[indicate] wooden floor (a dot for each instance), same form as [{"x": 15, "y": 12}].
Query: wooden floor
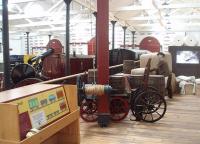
[{"x": 181, "y": 125}]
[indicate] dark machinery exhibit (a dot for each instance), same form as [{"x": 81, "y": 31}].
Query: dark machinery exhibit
[
  {"x": 117, "y": 56},
  {"x": 48, "y": 65}
]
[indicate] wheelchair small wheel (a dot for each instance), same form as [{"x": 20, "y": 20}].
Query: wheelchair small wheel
[
  {"x": 119, "y": 108},
  {"x": 88, "y": 110},
  {"x": 150, "y": 106}
]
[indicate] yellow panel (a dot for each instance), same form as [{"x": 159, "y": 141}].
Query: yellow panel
[
  {"x": 27, "y": 57},
  {"x": 45, "y": 107}
]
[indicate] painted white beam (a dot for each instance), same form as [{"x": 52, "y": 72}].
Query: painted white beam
[
  {"x": 133, "y": 8},
  {"x": 21, "y": 1},
  {"x": 42, "y": 15},
  {"x": 170, "y": 6},
  {"x": 159, "y": 11},
  {"x": 54, "y": 6},
  {"x": 92, "y": 7},
  {"x": 46, "y": 23},
  {"x": 173, "y": 17},
  {"x": 180, "y": 6}
]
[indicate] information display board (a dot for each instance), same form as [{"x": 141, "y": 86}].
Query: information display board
[{"x": 41, "y": 109}]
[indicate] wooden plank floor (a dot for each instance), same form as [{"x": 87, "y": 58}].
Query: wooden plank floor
[{"x": 181, "y": 125}]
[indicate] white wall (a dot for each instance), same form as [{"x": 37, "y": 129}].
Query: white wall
[
  {"x": 165, "y": 38},
  {"x": 18, "y": 42}
]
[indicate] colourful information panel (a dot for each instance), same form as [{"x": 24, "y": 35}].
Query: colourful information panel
[{"x": 42, "y": 108}]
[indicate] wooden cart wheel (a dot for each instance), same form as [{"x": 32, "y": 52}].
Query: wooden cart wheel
[
  {"x": 88, "y": 110},
  {"x": 119, "y": 108}
]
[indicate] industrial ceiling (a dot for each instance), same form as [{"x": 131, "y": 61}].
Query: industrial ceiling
[{"x": 46, "y": 16}]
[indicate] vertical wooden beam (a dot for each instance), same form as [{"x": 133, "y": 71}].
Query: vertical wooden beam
[{"x": 103, "y": 59}]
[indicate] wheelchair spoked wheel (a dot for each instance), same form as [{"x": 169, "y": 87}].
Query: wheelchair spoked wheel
[
  {"x": 150, "y": 106},
  {"x": 88, "y": 110},
  {"x": 135, "y": 94},
  {"x": 119, "y": 108}
]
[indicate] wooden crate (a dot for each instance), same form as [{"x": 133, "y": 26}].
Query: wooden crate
[
  {"x": 128, "y": 66},
  {"x": 117, "y": 82},
  {"x": 91, "y": 74},
  {"x": 157, "y": 81},
  {"x": 197, "y": 89},
  {"x": 189, "y": 89},
  {"x": 1, "y": 81}
]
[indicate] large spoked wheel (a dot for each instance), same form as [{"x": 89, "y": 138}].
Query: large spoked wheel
[
  {"x": 150, "y": 106},
  {"x": 21, "y": 72},
  {"x": 119, "y": 108},
  {"x": 135, "y": 94},
  {"x": 88, "y": 110}
]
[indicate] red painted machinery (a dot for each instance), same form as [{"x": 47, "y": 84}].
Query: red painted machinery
[
  {"x": 150, "y": 43},
  {"x": 92, "y": 46},
  {"x": 53, "y": 65}
]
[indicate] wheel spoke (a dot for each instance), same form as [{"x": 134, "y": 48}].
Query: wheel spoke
[
  {"x": 151, "y": 116},
  {"x": 145, "y": 116},
  {"x": 158, "y": 113}
]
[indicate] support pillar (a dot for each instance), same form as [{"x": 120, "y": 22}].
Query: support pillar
[
  {"x": 49, "y": 37},
  {"x": 67, "y": 51},
  {"x": 113, "y": 34},
  {"x": 133, "y": 39},
  {"x": 6, "y": 55},
  {"x": 95, "y": 14},
  {"x": 124, "y": 28},
  {"x": 27, "y": 42},
  {"x": 103, "y": 59},
  {"x": 1, "y": 48},
  {"x": 49, "y": 40}
]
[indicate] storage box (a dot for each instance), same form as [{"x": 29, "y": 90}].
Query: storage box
[
  {"x": 128, "y": 66},
  {"x": 118, "y": 83},
  {"x": 189, "y": 89},
  {"x": 1, "y": 81},
  {"x": 91, "y": 74},
  {"x": 157, "y": 81},
  {"x": 197, "y": 89}
]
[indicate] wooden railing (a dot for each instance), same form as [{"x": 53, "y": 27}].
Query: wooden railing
[{"x": 75, "y": 75}]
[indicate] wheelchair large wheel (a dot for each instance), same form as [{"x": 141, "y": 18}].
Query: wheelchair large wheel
[
  {"x": 150, "y": 106},
  {"x": 135, "y": 94},
  {"x": 88, "y": 110},
  {"x": 119, "y": 108}
]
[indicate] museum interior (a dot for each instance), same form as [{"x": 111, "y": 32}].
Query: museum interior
[{"x": 100, "y": 71}]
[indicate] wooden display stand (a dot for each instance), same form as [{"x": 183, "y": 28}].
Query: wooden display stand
[{"x": 63, "y": 130}]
